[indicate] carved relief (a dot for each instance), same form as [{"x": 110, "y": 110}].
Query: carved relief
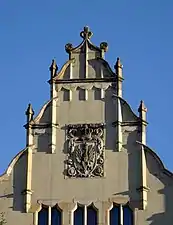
[{"x": 86, "y": 155}]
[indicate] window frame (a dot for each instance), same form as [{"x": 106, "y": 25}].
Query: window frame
[
  {"x": 85, "y": 206},
  {"x": 36, "y": 214},
  {"x": 121, "y": 211}
]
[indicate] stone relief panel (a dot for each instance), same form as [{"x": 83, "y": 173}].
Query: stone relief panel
[{"x": 85, "y": 150}]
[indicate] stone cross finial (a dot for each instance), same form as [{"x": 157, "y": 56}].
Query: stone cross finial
[{"x": 86, "y": 33}]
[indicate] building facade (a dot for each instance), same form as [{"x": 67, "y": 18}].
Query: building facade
[{"x": 86, "y": 160}]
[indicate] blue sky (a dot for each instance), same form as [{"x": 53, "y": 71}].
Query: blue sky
[{"x": 34, "y": 32}]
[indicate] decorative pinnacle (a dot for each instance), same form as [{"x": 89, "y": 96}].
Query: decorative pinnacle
[
  {"x": 104, "y": 46},
  {"x": 68, "y": 47},
  {"x": 142, "y": 107},
  {"x": 29, "y": 112},
  {"x": 118, "y": 64},
  {"x": 86, "y": 33},
  {"x": 53, "y": 68},
  {"x": 119, "y": 69}
]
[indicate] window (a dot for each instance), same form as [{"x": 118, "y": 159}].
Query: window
[
  {"x": 85, "y": 215},
  {"x": 43, "y": 216},
  {"x": 52, "y": 214},
  {"x": 120, "y": 215},
  {"x": 66, "y": 94},
  {"x": 91, "y": 215},
  {"x": 127, "y": 215},
  {"x": 114, "y": 215},
  {"x": 55, "y": 216},
  {"x": 79, "y": 215},
  {"x": 82, "y": 94},
  {"x": 97, "y": 93}
]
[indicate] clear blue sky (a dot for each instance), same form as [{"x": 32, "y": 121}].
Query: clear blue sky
[{"x": 33, "y": 32}]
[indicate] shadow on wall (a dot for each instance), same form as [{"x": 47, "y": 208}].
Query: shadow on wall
[
  {"x": 65, "y": 149},
  {"x": 43, "y": 141},
  {"x": 133, "y": 168},
  {"x": 19, "y": 182},
  {"x": 133, "y": 150},
  {"x": 42, "y": 136},
  {"x": 156, "y": 170},
  {"x": 81, "y": 65},
  {"x": 96, "y": 67},
  {"x": 110, "y": 117}
]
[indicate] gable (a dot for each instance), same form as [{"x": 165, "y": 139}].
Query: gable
[{"x": 86, "y": 150}]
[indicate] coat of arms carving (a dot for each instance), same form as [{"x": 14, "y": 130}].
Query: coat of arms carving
[{"x": 86, "y": 150}]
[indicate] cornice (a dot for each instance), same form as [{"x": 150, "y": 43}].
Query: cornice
[{"x": 86, "y": 80}]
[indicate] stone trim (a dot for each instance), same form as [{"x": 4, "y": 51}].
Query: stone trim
[{"x": 86, "y": 80}]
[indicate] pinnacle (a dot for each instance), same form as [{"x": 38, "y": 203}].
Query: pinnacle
[
  {"x": 142, "y": 107},
  {"x": 29, "y": 110}
]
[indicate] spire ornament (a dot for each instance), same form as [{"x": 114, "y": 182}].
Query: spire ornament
[
  {"x": 104, "y": 46},
  {"x": 29, "y": 113},
  {"x": 53, "y": 68},
  {"x": 68, "y": 47},
  {"x": 119, "y": 73},
  {"x": 118, "y": 66},
  {"x": 143, "y": 189},
  {"x": 142, "y": 107},
  {"x": 86, "y": 34}
]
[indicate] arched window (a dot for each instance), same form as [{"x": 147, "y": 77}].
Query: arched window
[
  {"x": 91, "y": 215},
  {"x": 43, "y": 216},
  {"x": 85, "y": 215},
  {"x": 127, "y": 215},
  {"x": 79, "y": 215},
  {"x": 120, "y": 214},
  {"x": 56, "y": 216},
  {"x": 47, "y": 213},
  {"x": 115, "y": 215}
]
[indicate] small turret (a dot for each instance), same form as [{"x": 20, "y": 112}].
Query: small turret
[
  {"x": 118, "y": 68},
  {"x": 143, "y": 189},
  {"x": 29, "y": 113},
  {"x": 119, "y": 73},
  {"x": 142, "y": 110},
  {"x": 142, "y": 115},
  {"x": 53, "y": 71}
]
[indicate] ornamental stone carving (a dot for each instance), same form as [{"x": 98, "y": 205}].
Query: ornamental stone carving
[{"x": 86, "y": 150}]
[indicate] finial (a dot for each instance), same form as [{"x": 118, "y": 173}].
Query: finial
[
  {"x": 104, "y": 46},
  {"x": 119, "y": 69},
  {"x": 142, "y": 107},
  {"x": 86, "y": 33},
  {"x": 68, "y": 47},
  {"x": 53, "y": 68},
  {"x": 29, "y": 113},
  {"x": 118, "y": 64}
]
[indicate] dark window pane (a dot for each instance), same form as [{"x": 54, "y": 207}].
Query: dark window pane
[
  {"x": 97, "y": 94},
  {"x": 43, "y": 216},
  {"x": 127, "y": 215},
  {"x": 91, "y": 215},
  {"x": 55, "y": 216},
  {"x": 115, "y": 215},
  {"x": 82, "y": 94},
  {"x": 79, "y": 216},
  {"x": 66, "y": 96}
]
